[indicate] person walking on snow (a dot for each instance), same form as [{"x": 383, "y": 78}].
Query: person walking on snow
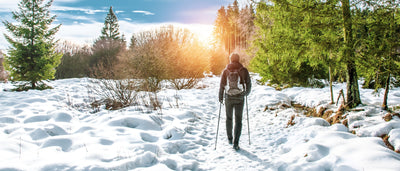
[{"x": 234, "y": 86}]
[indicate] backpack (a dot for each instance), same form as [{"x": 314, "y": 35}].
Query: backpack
[{"x": 233, "y": 80}]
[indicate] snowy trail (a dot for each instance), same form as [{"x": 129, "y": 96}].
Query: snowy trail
[
  {"x": 267, "y": 134},
  {"x": 265, "y": 141}
]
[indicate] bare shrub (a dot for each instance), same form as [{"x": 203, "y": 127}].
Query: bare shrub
[
  {"x": 115, "y": 94},
  {"x": 151, "y": 101},
  {"x": 184, "y": 83},
  {"x": 291, "y": 121},
  {"x": 218, "y": 60},
  {"x": 168, "y": 53},
  {"x": 115, "y": 90},
  {"x": 190, "y": 60}
]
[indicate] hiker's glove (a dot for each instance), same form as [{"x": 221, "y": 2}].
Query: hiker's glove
[{"x": 221, "y": 99}]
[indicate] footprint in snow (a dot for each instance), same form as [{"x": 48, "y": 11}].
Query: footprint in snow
[{"x": 148, "y": 138}]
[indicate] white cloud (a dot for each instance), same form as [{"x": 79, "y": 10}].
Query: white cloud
[
  {"x": 12, "y": 5},
  {"x": 80, "y": 33},
  {"x": 143, "y": 12},
  {"x": 74, "y": 17},
  {"x": 8, "y": 6},
  {"x": 87, "y": 11}
]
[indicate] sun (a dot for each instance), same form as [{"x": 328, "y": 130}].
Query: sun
[{"x": 203, "y": 32}]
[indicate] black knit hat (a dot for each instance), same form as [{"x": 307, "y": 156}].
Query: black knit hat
[{"x": 234, "y": 57}]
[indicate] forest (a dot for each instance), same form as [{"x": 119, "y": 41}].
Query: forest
[
  {"x": 310, "y": 43},
  {"x": 300, "y": 43}
]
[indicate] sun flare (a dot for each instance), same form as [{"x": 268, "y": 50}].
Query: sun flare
[{"x": 204, "y": 33}]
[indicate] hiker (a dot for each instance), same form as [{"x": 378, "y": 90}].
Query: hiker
[{"x": 235, "y": 85}]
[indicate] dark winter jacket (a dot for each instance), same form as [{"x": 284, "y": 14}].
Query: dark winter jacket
[{"x": 244, "y": 78}]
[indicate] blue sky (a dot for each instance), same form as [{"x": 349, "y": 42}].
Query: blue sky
[
  {"x": 143, "y": 11},
  {"x": 82, "y": 20}
]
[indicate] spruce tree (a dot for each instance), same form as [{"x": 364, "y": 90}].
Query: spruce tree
[
  {"x": 285, "y": 43},
  {"x": 348, "y": 54},
  {"x": 299, "y": 39},
  {"x": 379, "y": 39},
  {"x": 107, "y": 48},
  {"x": 233, "y": 26},
  {"x": 31, "y": 56},
  {"x": 221, "y": 28},
  {"x": 111, "y": 27}
]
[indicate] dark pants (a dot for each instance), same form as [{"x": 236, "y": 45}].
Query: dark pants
[{"x": 234, "y": 104}]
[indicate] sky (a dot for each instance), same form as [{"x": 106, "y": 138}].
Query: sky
[{"x": 82, "y": 20}]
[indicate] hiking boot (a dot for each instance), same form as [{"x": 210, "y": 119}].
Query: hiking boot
[
  {"x": 230, "y": 141},
  {"x": 236, "y": 147}
]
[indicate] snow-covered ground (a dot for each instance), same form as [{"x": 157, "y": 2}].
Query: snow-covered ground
[{"x": 53, "y": 130}]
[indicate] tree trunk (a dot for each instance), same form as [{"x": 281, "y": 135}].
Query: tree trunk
[
  {"x": 385, "y": 96},
  {"x": 330, "y": 84},
  {"x": 33, "y": 84},
  {"x": 353, "y": 94}
]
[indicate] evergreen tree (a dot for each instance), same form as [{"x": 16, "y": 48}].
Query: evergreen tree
[
  {"x": 284, "y": 44},
  {"x": 221, "y": 28},
  {"x": 107, "y": 48},
  {"x": 233, "y": 26},
  {"x": 31, "y": 56},
  {"x": 379, "y": 36},
  {"x": 219, "y": 59},
  {"x": 323, "y": 36},
  {"x": 295, "y": 35},
  {"x": 246, "y": 25},
  {"x": 348, "y": 55},
  {"x": 111, "y": 27}
]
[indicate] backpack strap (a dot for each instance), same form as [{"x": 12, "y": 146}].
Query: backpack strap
[{"x": 242, "y": 80}]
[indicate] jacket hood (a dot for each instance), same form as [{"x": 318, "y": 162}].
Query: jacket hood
[{"x": 234, "y": 66}]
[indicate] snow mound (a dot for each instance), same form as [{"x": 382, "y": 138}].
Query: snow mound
[{"x": 135, "y": 122}]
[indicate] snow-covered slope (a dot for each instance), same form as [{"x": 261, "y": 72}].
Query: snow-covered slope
[{"x": 55, "y": 130}]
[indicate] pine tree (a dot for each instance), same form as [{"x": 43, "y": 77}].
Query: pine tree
[
  {"x": 379, "y": 36},
  {"x": 221, "y": 28},
  {"x": 348, "y": 54},
  {"x": 107, "y": 48},
  {"x": 111, "y": 27},
  {"x": 285, "y": 43},
  {"x": 31, "y": 56},
  {"x": 299, "y": 39},
  {"x": 233, "y": 26},
  {"x": 246, "y": 25},
  {"x": 219, "y": 58}
]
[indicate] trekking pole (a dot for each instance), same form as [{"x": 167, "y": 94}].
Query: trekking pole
[
  {"x": 248, "y": 125},
  {"x": 219, "y": 116}
]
